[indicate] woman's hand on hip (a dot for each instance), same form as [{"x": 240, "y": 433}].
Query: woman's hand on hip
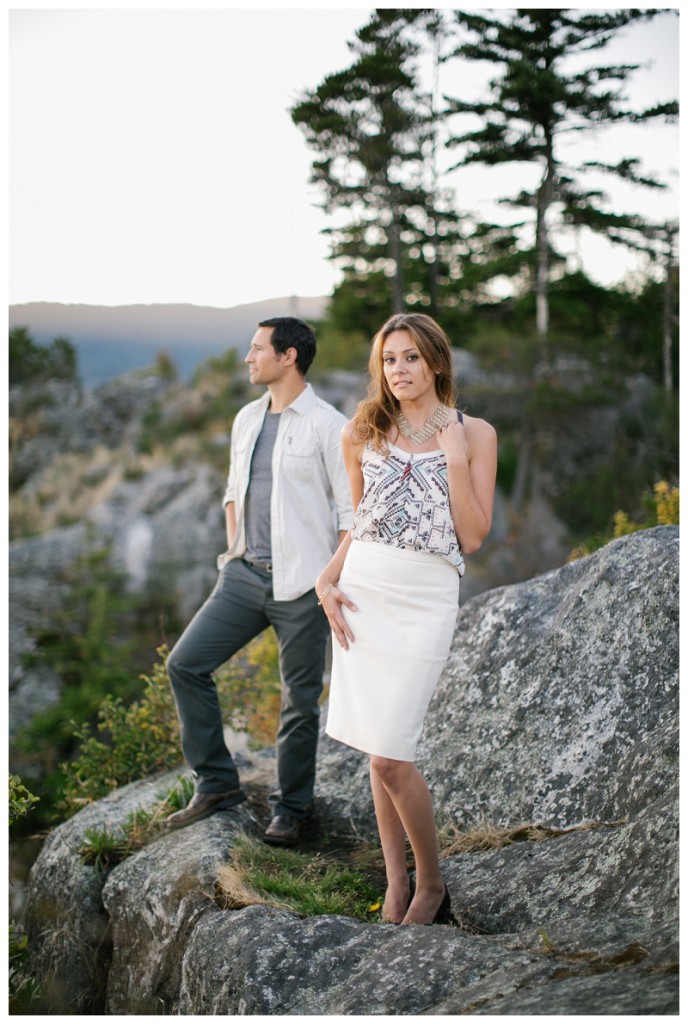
[{"x": 332, "y": 601}]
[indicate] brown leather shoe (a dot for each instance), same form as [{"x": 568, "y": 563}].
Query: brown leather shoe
[
  {"x": 202, "y": 805},
  {"x": 283, "y": 830}
]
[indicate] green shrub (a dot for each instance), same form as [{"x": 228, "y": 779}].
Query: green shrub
[
  {"x": 20, "y": 800},
  {"x": 141, "y": 739},
  {"x": 83, "y": 644},
  {"x": 23, "y": 987},
  {"x": 95, "y": 642},
  {"x": 30, "y": 363},
  {"x": 507, "y": 463}
]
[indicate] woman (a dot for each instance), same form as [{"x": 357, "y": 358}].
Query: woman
[{"x": 422, "y": 479}]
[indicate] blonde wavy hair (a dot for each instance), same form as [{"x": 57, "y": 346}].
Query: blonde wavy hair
[{"x": 376, "y": 414}]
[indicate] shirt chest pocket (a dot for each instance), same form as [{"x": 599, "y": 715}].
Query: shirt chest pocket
[
  {"x": 240, "y": 460},
  {"x": 299, "y": 455}
]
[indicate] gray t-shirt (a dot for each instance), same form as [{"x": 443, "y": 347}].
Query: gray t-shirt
[{"x": 258, "y": 536}]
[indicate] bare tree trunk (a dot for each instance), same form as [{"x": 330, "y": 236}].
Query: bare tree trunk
[
  {"x": 544, "y": 199},
  {"x": 667, "y": 317},
  {"x": 542, "y": 279},
  {"x": 523, "y": 479},
  {"x": 395, "y": 253},
  {"x": 431, "y": 228}
]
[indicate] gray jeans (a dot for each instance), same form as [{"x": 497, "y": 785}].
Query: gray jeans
[{"x": 240, "y": 607}]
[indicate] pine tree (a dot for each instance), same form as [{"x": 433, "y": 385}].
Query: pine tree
[
  {"x": 369, "y": 134},
  {"x": 377, "y": 129},
  {"x": 534, "y": 101}
]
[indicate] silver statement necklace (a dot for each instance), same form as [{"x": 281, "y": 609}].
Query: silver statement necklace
[{"x": 419, "y": 435}]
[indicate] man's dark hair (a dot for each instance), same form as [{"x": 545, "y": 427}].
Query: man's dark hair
[{"x": 290, "y": 332}]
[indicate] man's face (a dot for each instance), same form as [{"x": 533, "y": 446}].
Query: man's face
[{"x": 265, "y": 365}]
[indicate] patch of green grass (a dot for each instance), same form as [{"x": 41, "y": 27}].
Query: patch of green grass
[
  {"x": 103, "y": 848},
  {"x": 308, "y": 884}
]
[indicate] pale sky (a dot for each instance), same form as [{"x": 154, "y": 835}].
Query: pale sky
[{"x": 153, "y": 158}]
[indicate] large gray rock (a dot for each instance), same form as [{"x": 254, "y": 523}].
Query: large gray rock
[
  {"x": 69, "y": 928},
  {"x": 155, "y": 900},
  {"x": 334, "y": 965},
  {"x": 92, "y": 929},
  {"x": 558, "y": 708}
]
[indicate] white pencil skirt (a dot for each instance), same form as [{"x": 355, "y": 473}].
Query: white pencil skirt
[{"x": 381, "y": 686}]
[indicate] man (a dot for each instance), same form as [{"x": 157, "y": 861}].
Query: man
[{"x": 287, "y": 505}]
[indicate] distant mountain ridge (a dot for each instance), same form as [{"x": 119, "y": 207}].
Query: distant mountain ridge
[{"x": 112, "y": 340}]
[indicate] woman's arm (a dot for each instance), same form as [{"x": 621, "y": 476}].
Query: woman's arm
[{"x": 471, "y": 452}]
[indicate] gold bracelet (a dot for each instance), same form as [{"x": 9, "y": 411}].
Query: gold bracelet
[{"x": 324, "y": 594}]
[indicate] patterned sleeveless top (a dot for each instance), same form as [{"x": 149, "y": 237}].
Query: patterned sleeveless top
[{"x": 405, "y": 503}]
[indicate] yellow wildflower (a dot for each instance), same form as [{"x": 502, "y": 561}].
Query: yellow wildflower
[
  {"x": 623, "y": 525},
  {"x": 667, "y": 503}
]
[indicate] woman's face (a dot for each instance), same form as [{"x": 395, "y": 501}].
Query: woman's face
[{"x": 408, "y": 375}]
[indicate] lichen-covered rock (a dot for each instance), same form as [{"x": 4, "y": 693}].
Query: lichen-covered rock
[
  {"x": 334, "y": 965},
  {"x": 155, "y": 899},
  {"x": 559, "y": 700},
  {"x": 65, "y": 918},
  {"x": 588, "y": 893},
  {"x": 596, "y": 909}
]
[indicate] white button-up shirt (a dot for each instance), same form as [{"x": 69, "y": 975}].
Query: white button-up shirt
[{"x": 311, "y": 500}]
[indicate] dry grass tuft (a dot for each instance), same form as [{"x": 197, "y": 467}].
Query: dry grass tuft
[
  {"x": 235, "y": 890},
  {"x": 487, "y": 836}
]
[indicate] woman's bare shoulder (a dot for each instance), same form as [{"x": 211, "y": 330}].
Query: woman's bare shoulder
[
  {"x": 347, "y": 430},
  {"x": 351, "y": 441},
  {"x": 350, "y": 435},
  {"x": 479, "y": 430}
]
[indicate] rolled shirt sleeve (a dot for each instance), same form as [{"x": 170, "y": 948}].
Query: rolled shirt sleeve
[{"x": 333, "y": 457}]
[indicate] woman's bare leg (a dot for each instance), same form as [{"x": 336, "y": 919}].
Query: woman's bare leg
[
  {"x": 409, "y": 794},
  {"x": 393, "y": 841}
]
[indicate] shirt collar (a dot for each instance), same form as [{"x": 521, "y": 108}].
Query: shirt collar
[
  {"x": 300, "y": 405},
  {"x": 304, "y": 401}
]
